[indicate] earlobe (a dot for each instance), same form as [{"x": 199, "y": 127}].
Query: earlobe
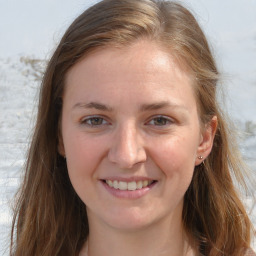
[{"x": 207, "y": 139}]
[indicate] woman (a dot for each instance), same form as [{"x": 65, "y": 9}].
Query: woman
[{"x": 131, "y": 153}]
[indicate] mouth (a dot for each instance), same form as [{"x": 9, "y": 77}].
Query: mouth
[{"x": 129, "y": 186}]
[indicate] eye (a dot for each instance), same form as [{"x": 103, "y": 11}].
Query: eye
[
  {"x": 160, "y": 121},
  {"x": 94, "y": 121}
]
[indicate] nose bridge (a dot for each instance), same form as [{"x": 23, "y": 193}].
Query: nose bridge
[{"x": 127, "y": 147}]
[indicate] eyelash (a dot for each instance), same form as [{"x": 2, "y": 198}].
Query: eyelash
[{"x": 89, "y": 121}]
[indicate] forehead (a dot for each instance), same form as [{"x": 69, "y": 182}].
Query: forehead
[
  {"x": 142, "y": 56},
  {"x": 143, "y": 67}
]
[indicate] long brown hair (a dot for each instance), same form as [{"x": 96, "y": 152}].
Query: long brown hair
[{"x": 50, "y": 219}]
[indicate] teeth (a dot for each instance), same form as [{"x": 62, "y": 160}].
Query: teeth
[
  {"x": 139, "y": 184},
  {"x": 145, "y": 183},
  {"x": 131, "y": 186},
  {"x": 110, "y": 183},
  {"x": 115, "y": 184},
  {"x": 122, "y": 185}
]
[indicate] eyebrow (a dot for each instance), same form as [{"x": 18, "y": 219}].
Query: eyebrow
[
  {"x": 160, "y": 105},
  {"x": 143, "y": 108},
  {"x": 95, "y": 105}
]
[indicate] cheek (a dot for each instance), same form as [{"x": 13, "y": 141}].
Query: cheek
[
  {"x": 83, "y": 155},
  {"x": 82, "y": 159},
  {"x": 175, "y": 156}
]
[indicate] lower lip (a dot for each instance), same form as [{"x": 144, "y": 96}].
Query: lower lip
[{"x": 129, "y": 194}]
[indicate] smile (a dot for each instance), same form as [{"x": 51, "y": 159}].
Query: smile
[{"x": 131, "y": 186}]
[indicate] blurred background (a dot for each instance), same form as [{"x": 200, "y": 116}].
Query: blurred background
[{"x": 29, "y": 32}]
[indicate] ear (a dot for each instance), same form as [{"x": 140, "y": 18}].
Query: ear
[{"x": 206, "y": 142}]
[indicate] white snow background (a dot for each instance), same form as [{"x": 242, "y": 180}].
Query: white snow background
[{"x": 32, "y": 29}]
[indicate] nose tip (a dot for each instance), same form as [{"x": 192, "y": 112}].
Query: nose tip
[
  {"x": 127, "y": 160},
  {"x": 126, "y": 150}
]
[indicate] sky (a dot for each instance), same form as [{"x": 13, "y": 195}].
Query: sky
[{"x": 33, "y": 28}]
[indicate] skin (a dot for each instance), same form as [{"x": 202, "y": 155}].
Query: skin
[{"x": 130, "y": 113}]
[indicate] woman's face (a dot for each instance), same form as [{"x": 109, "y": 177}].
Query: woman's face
[{"x": 131, "y": 135}]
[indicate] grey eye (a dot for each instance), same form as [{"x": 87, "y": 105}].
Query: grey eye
[
  {"x": 159, "y": 121},
  {"x": 95, "y": 121}
]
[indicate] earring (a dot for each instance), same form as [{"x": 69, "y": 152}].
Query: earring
[{"x": 200, "y": 157}]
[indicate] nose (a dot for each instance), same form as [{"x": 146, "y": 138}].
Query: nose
[{"x": 127, "y": 148}]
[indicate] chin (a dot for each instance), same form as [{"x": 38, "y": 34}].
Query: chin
[{"x": 130, "y": 220}]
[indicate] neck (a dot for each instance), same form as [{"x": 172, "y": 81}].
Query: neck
[{"x": 163, "y": 238}]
